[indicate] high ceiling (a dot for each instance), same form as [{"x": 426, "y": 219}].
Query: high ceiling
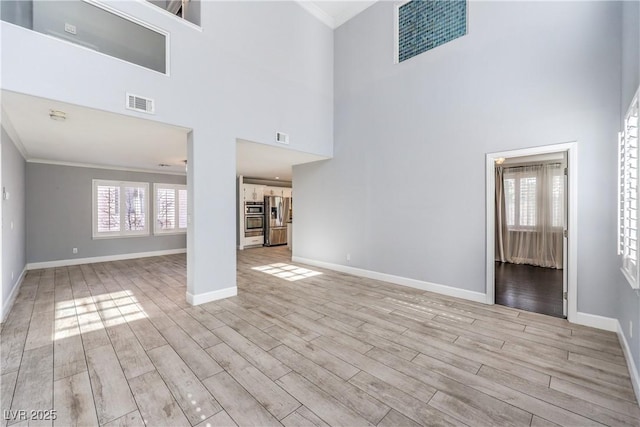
[
  {"x": 335, "y": 13},
  {"x": 98, "y": 138}
]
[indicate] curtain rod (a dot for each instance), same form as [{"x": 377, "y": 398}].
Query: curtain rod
[{"x": 524, "y": 165}]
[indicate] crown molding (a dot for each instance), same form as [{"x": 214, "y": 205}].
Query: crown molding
[
  {"x": 95, "y": 166},
  {"x": 349, "y": 14},
  {"x": 320, "y": 14},
  {"x": 334, "y": 22}
]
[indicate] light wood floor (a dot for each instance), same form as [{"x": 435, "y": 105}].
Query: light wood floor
[{"x": 115, "y": 344}]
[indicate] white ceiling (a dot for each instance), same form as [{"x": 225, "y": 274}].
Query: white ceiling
[
  {"x": 92, "y": 137},
  {"x": 256, "y": 160},
  {"x": 97, "y": 138},
  {"x": 335, "y": 13}
]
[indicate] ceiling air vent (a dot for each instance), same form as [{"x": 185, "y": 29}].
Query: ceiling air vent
[
  {"x": 282, "y": 138},
  {"x": 138, "y": 103}
]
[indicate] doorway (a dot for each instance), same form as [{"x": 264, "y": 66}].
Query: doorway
[{"x": 530, "y": 209}]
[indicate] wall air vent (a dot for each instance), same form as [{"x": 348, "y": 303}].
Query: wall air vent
[
  {"x": 282, "y": 138},
  {"x": 139, "y": 103}
]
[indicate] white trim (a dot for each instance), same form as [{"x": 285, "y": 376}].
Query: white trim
[
  {"x": 572, "y": 226},
  {"x": 172, "y": 233},
  {"x": 6, "y": 306},
  {"x": 123, "y": 185},
  {"x": 398, "y": 280},
  {"x": 350, "y": 14},
  {"x": 74, "y": 43},
  {"x": 396, "y": 30},
  {"x": 96, "y": 166},
  {"x": 167, "y": 35},
  {"x": 320, "y": 14},
  {"x": 106, "y": 258},
  {"x": 595, "y": 321},
  {"x": 630, "y": 269},
  {"x": 331, "y": 21},
  {"x": 240, "y": 230},
  {"x": 167, "y": 13},
  {"x": 198, "y": 299},
  {"x": 628, "y": 355},
  {"x": 157, "y": 231}
]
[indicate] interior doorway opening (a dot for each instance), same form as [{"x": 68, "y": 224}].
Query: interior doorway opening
[{"x": 530, "y": 211}]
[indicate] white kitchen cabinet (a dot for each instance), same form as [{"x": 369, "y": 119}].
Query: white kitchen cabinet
[
  {"x": 253, "y": 192},
  {"x": 272, "y": 191},
  {"x": 253, "y": 241},
  {"x": 277, "y": 191}
]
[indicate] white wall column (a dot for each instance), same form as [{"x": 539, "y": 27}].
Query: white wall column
[{"x": 211, "y": 234}]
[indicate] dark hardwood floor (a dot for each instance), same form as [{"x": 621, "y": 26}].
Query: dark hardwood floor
[{"x": 529, "y": 288}]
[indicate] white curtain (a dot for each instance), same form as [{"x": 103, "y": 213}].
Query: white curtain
[{"x": 530, "y": 216}]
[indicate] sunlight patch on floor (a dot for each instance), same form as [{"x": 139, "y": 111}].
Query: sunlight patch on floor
[
  {"x": 287, "y": 271},
  {"x": 92, "y": 313}
]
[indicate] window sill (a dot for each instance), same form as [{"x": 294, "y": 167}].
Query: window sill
[
  {"x": 120, "y": 236},
  {"x": 633, "y": 283},
  {"x": 168, "y": 233},
  {"x": 533, "y": 230}
]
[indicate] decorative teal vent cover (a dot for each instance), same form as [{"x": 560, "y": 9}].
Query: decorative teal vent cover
[{"x": 425, "y": 24}]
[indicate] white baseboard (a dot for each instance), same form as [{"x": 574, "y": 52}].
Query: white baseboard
[
  {"x": 198, "y": 299},
  {"x": 6, "y": 306},
  {"x": 633, "y": 369},
  {"x": 107, "y": 258},
  {"x": 595, "y": 321},
  {"x": 398, "y": 280}
]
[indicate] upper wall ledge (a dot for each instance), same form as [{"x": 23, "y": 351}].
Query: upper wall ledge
[{"x": 145, "y": 3}]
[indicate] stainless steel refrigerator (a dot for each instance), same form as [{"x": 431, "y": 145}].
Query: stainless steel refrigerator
[{"x": 277, "y": 215}]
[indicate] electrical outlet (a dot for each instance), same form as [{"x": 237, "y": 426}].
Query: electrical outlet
[
  {"x": 69, "y": 28},
  {"x": 348, "y": 257},
  {"x": 75, "y": 250}
]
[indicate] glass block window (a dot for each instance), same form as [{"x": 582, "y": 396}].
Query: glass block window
[{"x": 425, "y": 24}]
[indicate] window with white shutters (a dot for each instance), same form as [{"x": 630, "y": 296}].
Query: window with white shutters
[
  {"x": 520, "y": 198},
  {"x": 120, "y": 208},
  {"x": 530, "y": 193},
  {"x": 170, "y": 209},
  {"x": 628, "y": 195}
]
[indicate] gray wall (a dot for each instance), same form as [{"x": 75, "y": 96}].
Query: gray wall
[
  {"x": 193, "y": 12},
  {"x": 628, "y": 302},
  {"x": 19, "y": 12},
  {"x": 59, "y": 214},
  {"x": 405, "y": 191},
  {"x": 254, "y": 69},
  {"x": 630, "y": 51},
  {"x": 102, "y": 31},
  {"x": 13, "y": 211}
]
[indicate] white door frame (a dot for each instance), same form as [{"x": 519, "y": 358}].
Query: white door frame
[{"x": 571, "y": 148}]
